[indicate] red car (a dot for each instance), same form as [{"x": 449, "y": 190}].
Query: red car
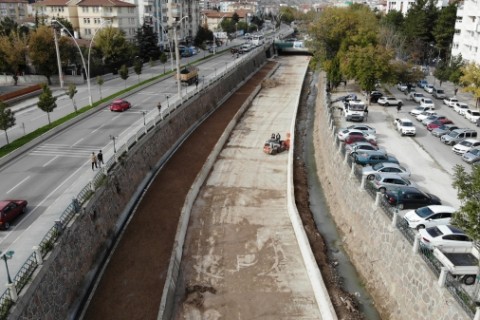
[
  {"x": 9, "y": 210},
  {"x": 120, "y": 105},
  {"x": 434, "y": 124},
  {"x": 352, "y": 139}
]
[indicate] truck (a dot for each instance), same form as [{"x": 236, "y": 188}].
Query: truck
[
  {"x": 189, "y": 75},
  {"x": 460, "y": 262},
  {"x": 405, "y": 127},
  {"x": 354, "y": 110}
]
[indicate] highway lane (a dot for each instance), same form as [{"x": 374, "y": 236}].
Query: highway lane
[{"x": 52, "y": 173}]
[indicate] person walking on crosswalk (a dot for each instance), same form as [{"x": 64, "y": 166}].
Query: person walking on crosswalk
[{"x": 93, "y": 158}]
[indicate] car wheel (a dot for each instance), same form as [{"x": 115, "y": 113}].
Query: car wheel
[
  {"x": 401, "y": 206},
  {"x": 469, "y": 279},
  {"x": 382, "y": 190},
  {"x": 420, "y": 226},
  {"x": 370, "y": 177},
  {"x": 6, "y": 226}
]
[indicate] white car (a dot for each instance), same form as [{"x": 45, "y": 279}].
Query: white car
[
  {"x": 363, "y": 127},
  {"x": 416, "y": 96},
  {"x": 461, "y": 108},
  {"x": 389, "y": 101},
  {"x": 472, "y": 115},
  {"x": 415, "y": 112},
  {"x": 427, "y": 102},
  {"x": 370, "y": 171},
  {"x": 345, "y": 133},
  {"x": 444, "y": 236},
  {"x": 465, "y": 146},
  {"x": 428, "y": 88},
  {"x": 422, "y": 116},
  {"x": 429, "y": 216},
  {"x": 451, "y": 101}
]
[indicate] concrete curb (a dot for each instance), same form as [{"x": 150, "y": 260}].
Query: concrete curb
[{"x": 318, "y": 285}]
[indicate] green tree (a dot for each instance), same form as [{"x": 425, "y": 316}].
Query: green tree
[
  {"x": 163, "y": 60},
  {"x": 46, "y": 101},
  {"x": 113, "y": 47},
  {"x": 442, "y": 72},
  {"x": 7, "y": 118},
  {"x": 203, "y": 35},
  {"x": 13, "y": 50},
  {"x": 471, "y": 80},
  {"x": 41, "y": 48},
  {"x": 456, "y": 73},
  {"x": 123, "y": 71},
  {"x": 7, "y": 26},
  {"x": 137, "y": 67},
  {"x": 147, "y": 41},
  {"x": 393, "y": 19},
  {"x": 468, "y": 191},
  {"x": 100, "y": 83},
  {"x": 444, "y": 29},
  {"x": 71, "y": 91}
]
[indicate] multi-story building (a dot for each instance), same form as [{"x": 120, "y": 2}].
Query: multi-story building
[
  {"x": 13, "y": 9},
  {"x": 88, "y": 16},
  {"x": 466, "y": 40},
  {"x": 404, "y": 5}
]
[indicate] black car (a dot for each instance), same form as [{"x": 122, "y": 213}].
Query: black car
[
  {"x": 411, "y": 198},
  {"x": 374, "y": 95}
]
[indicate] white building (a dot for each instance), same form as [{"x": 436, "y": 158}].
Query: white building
[
  {"x": 404, "y": 5},
  {"x": 466, "y": 40}
]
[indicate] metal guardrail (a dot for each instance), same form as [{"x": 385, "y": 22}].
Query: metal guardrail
[
  {"x": 5, "y": 304},
  {"x": 460, "y": 295},
  {"x": 404, "y": 228},
  {"x": 24, "y": 275}
]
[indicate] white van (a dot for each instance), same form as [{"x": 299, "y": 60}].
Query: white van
[
  {"x": 258, "y": 40},
  {"x": 354, "y": 110}
]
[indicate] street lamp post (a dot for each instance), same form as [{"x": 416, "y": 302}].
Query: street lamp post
[
  {"x": 114, "y": 147},
  {"x": 81, "y": 56},
  {"x": 59, "y": 62},
  {"x": 177, "y": 57},
  {"x": 165, "y": 32},
  {"x": 7, "y": 256}
]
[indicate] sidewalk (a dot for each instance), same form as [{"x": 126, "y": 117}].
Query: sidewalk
[{"x": 449, "y": 89}]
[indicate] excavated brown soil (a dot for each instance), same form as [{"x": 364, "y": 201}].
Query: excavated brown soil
[{"x": 131, "y": 287}]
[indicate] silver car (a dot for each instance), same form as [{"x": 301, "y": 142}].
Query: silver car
[
  {"x": 471, "y": 156},
  {"x": 391, "y": 181},
  {"x": 370, "y": 171}
]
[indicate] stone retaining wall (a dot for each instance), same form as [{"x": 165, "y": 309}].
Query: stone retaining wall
[
  {"x": 402, "y": 285},
  {"x": 62, "y": 282}
]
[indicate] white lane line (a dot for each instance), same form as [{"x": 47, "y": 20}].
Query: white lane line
[
  {"x": 18, "y": 184},
  {"x": 40, "y": 204},
  {"x": 50, "y": 161},
  {"x": 78, "y": 141}
]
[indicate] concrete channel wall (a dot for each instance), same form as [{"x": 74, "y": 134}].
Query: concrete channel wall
[
  {"x": 59, "y": 285},
  {"x": 402, "y": 284}
]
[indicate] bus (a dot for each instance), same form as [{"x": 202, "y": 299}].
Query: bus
[{"x": 258, "y": 40}]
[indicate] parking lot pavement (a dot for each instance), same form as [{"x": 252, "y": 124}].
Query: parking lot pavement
[{"x": 426, "y": 158}]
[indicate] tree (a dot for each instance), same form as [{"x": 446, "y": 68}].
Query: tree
[
  {"x": 41, "y": 49},
  {"x": 137, "y": 67},
  {"x": 468, "y": 191},
  {"x": 471, "y": 80},
  {"x": 147, "y": 41},
  {"x": 442, "y": 71},
  {"x": 123, "y": 71},
  {"x": 46, "y": 101},
  {"x": 7, "y": 118},
  {"x": 13, "y": 48},
  {"x": 7, "y": 26},
  {"x": 100, "y": 83},
  {"x": 444, "y": 29},
  {"x": 163, "y": 60},
  {"x": 113, "y": 48},
  {"x": 456, "y": 73},
  {"x": 71, "y": 91}
]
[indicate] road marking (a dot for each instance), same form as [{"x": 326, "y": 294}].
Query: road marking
[
  {"x": 149, "y": 93},
  {"x": 18, "y": 184},
  {"x": 48, "y": 162},
  {"x": 78, "y": 141}
]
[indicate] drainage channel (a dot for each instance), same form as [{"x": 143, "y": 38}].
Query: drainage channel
[{"x": 323, "y": 220}]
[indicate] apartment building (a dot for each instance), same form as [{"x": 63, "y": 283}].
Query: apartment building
[
  {"x": 466, "y": 40},
  {"x": 404, "y": 5},
  {"x": 14, "y": 9}
]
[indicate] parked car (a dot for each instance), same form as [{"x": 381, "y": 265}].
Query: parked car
[
  {"x": 389, "y": 101},
  {"x": 405, "y": 127},
  {"x": 390, "y": 181},
  {"x": 440, "y": 118},
  {"x": 402, "y": 86},
  {"x": 434, "y": 124},
  {"x": 373, "y": 157},
  {"x": 425, "y": 115},
  {"x": 429, "y": 216},
  {"x": 345, "y": 133},
  {"x": 360, "y": 146},
  {"x": 444, "y": 129},
  {"x": 416, "y": 111},
  {"x": 411, "y": 198},
  {"x": 120, "y": 105},
  {"x": 465, "y": 145},
  {"x": 444, "y": 236},
  {"x": 438, "y": 93},
  {"x": 363, "y": 127},
  {"x": 428, "y": 88},
  {"x": 450, "y": 101},
  {"x": 472, "y": 115},
  {"x": 353, "y": 139},
  {"x": 422, "y": 83},
  {"x": 390, "y": 167},
  {"x": 471, "y": 156},
  {"x": 375, "y": 95},
  {"x": 461, "y": 108},
  {"x": 416, "y": 96},
  {"x": 9, "y": 210},
  {"x": 427, "y": 102},
  {"x": 457, "y": 135}
]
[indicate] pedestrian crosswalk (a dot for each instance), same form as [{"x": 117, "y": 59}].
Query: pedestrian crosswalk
[{"x": 63, "y": 150}]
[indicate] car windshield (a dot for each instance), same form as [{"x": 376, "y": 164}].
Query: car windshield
[
  {"x": 378, "y": 166},
  {"x": 440, "y": 91},
  {"x": 423, "y": 212},
  {"x": 434, "y": 232},
  {"x": 427, "y": 101},
  {"x": 357, "y": 107},
  {"x": 475, "y": 113},
  {"x": 466, "y": 143},
  {"x": 407, "y": 124},
  {"x": 453, "y": 134}
]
